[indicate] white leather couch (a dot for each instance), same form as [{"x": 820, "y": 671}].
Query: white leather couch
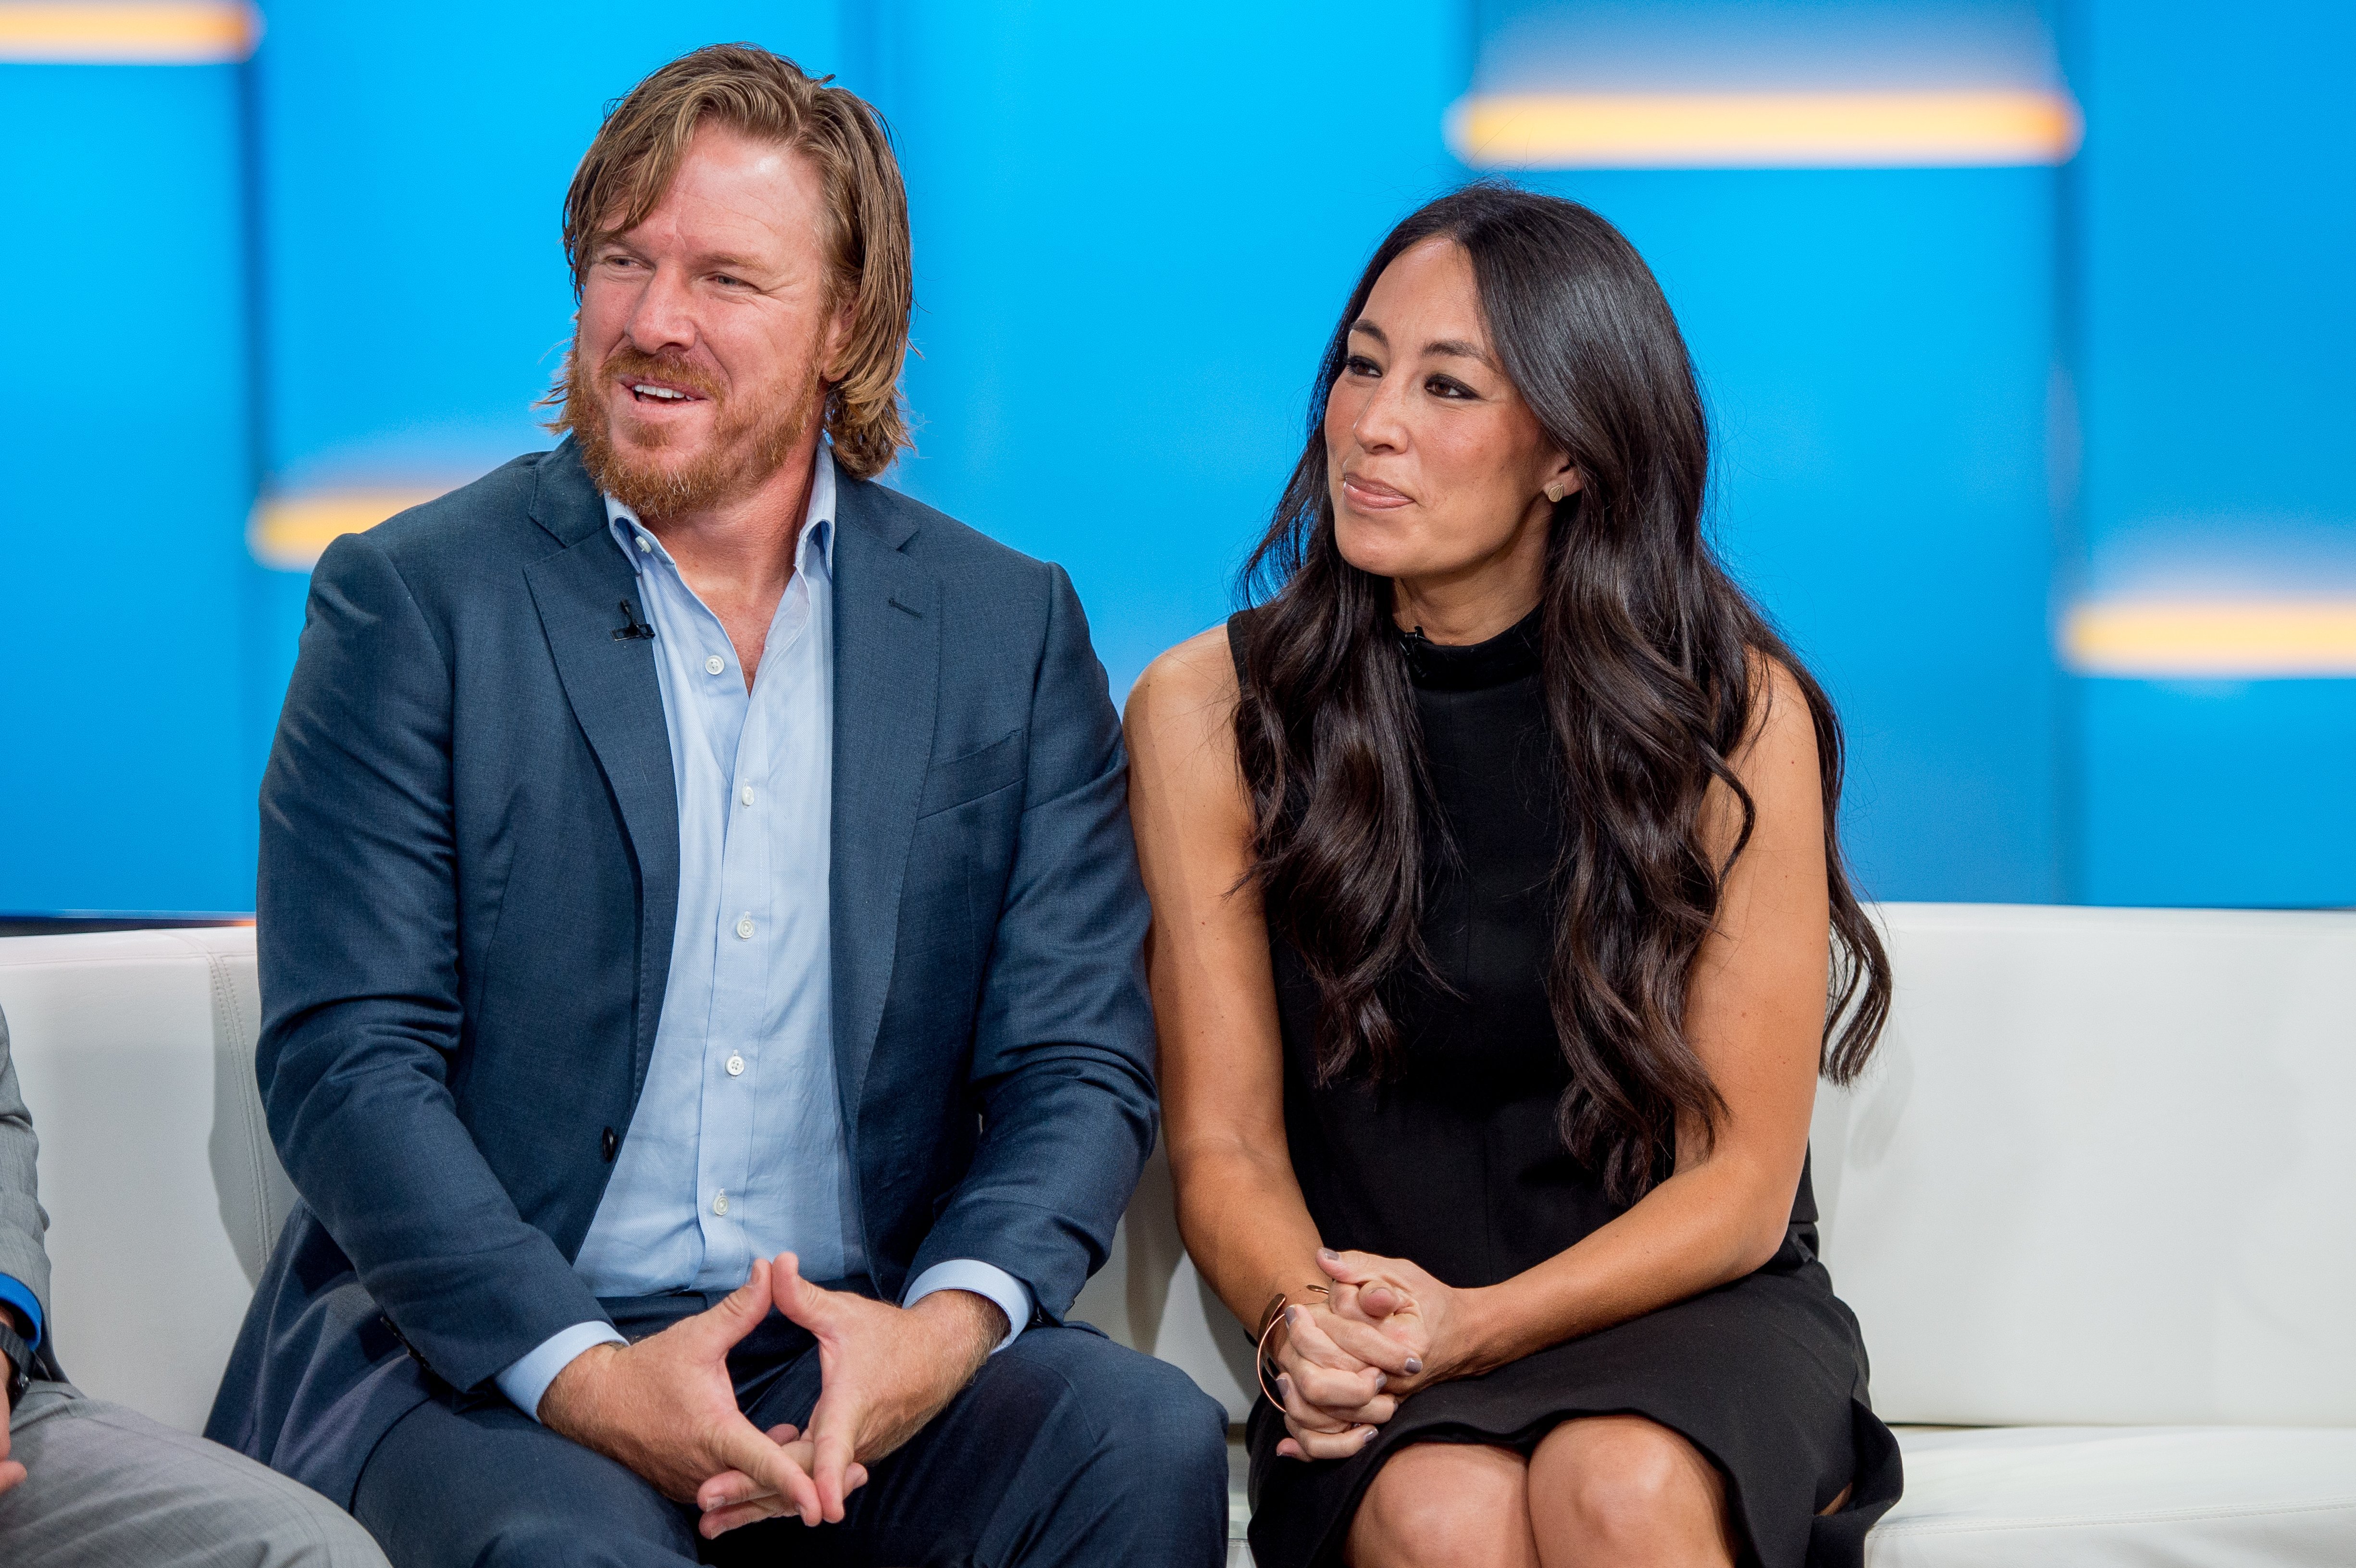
[{"x": 2095, "y": 1205}]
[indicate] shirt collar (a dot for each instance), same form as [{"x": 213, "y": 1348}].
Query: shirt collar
[{"x": 817, "y": 532}]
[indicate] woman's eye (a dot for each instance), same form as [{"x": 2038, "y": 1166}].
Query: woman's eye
[
  {"x": 1359, "y": 365},
  {"x": 1443, "y": 386}
]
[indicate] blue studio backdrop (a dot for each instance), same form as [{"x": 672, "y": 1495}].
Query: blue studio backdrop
[{"x": 2019, "y": 430}]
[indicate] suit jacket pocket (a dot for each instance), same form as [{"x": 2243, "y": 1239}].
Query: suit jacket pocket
[{"x": 975, "y": 774}]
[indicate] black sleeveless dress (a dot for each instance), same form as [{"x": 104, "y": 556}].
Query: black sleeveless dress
[{"x": 1456, "y": 1163}]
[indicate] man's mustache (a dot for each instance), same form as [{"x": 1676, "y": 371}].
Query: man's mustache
[{"x": 625, "y": 363}]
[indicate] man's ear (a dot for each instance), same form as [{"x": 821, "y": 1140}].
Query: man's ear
[{"x": 838, "y": 343}]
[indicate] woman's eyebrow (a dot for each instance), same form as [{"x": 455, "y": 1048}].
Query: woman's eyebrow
[
  {"x": 1457, "y": 349},
  {"x": 1449, "y": 347}
]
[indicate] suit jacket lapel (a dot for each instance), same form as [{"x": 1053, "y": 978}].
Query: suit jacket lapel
[
  {"x": 886, "y": 685},
  {"x": 617, "y": 698}
]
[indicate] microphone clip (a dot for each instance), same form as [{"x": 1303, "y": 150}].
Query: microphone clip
[{"x": 632, "y": 629}]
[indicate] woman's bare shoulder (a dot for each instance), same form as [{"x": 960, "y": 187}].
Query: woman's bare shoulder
[
  {"x": 1181, "y": 735},
  {"x": 1189, "y": 689},
  {"x": 1783, "y": 726}
]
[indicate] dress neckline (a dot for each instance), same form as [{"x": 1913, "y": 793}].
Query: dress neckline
[{"x": 1473, "y": 666}]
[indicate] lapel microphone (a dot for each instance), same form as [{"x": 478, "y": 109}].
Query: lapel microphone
[
  {"x": 1412, "y": 643},
  {"x": 632, "y": 629}
]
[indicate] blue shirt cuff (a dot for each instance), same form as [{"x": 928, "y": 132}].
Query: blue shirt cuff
[
  {"x": 986, "y": 1280},
  {"x": 528, "y": 1377},
  {"x": 19, "y": 1294}
]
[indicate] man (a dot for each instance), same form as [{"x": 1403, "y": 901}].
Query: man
[
  {"x": 700, "y": 943},
  {"x": 88, "y": 1484}
]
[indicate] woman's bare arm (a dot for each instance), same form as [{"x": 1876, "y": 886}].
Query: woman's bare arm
[{"x": 1222, "y": 1064}]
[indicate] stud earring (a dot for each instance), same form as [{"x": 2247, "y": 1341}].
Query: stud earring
[{"x": 1554, "y": 492}]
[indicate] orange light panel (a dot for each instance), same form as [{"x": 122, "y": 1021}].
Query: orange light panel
[
  {"x": 1764, "y": 130},
  {"x": 191, "y": 32}
]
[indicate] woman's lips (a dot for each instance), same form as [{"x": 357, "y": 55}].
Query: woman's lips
[{"x": 1372, "y": 495}]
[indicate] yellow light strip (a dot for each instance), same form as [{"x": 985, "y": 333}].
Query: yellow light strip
[
  {"x": 2213, "y": 640},
  {"x": 190, "y": 32},
  {"x": 1763, "y": 129},
  {"x": 289, "y": 533}
]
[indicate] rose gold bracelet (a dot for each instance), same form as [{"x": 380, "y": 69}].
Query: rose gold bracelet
[{"x": 1272, "y": 1315}]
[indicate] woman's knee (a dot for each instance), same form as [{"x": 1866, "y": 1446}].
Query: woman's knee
[
  {"x": 1443, "y": 1503},
  {"x": 1624, "y": 1482}
]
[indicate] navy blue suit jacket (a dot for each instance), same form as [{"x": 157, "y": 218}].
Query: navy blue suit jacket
[{"x": 468, "y": 880}]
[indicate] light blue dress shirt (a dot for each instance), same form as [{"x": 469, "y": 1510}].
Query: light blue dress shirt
[{"x": 736, "y": 1150}]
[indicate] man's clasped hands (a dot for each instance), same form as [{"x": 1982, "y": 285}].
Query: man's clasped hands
[
  {"x": 666, "y": 1406},
  {"x": 1383, "y": 1329}
]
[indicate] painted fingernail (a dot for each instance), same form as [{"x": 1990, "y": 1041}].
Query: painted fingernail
[
  {"x": 1293, "y": 1317},
  {"x": 1414, "y": 1365}
]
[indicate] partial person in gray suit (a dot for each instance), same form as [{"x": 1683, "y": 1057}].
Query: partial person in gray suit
[{"x": 84, "y": 1482}]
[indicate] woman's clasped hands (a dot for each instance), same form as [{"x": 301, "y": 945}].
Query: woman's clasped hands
[{"x": 1385, "y": 1329}]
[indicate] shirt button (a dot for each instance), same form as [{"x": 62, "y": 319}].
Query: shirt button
[
  {"x": 735, "y": 1067},
  {"x": 644, "y": 547},
  {"x": 744, "y": 927},
  {"x": 715, "y": 663},
  {"x": 720, "y": 1201},
  {"x": 745, "y": 794}
]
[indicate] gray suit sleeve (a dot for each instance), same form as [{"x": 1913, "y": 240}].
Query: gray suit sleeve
[{"x": 22, "y": 1222}]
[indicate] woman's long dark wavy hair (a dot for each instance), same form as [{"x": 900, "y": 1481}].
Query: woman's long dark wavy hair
[{"x": 1652, "y": 663}]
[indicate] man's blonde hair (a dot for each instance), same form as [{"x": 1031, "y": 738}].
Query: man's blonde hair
[{"x": 760, "y": 94}]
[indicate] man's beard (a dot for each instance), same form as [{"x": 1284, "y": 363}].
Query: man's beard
[{"x": 749, "y": 442}]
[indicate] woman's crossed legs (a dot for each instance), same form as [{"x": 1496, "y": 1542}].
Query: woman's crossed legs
[{"x": 1605, "y": 1491}]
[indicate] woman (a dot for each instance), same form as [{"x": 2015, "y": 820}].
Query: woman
[{"x": 1500, "y": 937}]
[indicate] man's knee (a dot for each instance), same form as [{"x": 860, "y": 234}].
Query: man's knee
[
  {"x": 1147, "y": 1419},
  {"x": 1067, "y": 1450},
  {"x": 491, "y": 1488},
  {"x": 534, "y": 1533},
  {"x": 545, "y": 1540},
  {"x": 124, "y": 1487},
  {"x": 1165, "y": 1419},
  {"x": 330, "y": 1538}
]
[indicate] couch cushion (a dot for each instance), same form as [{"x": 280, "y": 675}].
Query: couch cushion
[
  {"x": 2122, "y": 1498},
  {"x": 136, "y": 1054},
  {"x": 2101, "y": 1168},
  {"x": 2098, "y": 1173}
]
